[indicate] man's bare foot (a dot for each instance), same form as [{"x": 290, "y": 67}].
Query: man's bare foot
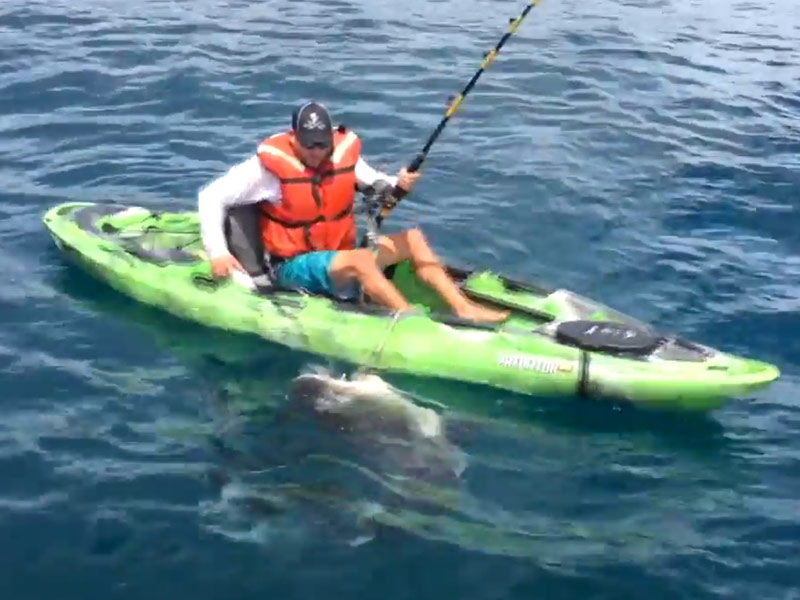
[{"x": 476, "y": 312}]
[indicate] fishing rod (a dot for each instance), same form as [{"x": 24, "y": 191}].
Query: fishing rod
[{"x": 488, "y": 58}]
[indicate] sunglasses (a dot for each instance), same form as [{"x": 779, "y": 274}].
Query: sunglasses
[{"x": 317, "y": 146}]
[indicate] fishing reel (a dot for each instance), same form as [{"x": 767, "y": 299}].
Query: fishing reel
[{"x": 379, "y": 195}]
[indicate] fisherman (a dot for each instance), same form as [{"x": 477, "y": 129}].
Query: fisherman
[{"x": 303, "y": 182}]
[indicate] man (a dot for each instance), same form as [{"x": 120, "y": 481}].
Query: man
[{"x": 304, "y": 183}]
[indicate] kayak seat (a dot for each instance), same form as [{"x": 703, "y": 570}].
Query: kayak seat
[{"x": 243, "y": 234}]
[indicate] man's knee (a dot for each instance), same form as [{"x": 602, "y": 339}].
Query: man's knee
[
  {"x": 410, "y": 244},
  {"x": 362, "y": 261},
  {"x": 415, "y": 238},
  {"x": 419, "y": 251}
]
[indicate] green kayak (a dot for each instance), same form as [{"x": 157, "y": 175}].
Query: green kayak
[{"x": 555, "y": 343}]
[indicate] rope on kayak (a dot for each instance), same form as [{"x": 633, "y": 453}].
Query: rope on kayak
[
  {"x": 376, "y": 354},
  {"x": 452, "y": 108}
]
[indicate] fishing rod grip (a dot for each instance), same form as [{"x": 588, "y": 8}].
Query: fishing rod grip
[
  {"x": 416, "y": 163},
  {"x": 399, "y": 193}
]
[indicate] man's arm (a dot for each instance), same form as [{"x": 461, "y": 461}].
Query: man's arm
[
  {"x": 245, "y": 183},
  {"x": 367, "y": 176}
]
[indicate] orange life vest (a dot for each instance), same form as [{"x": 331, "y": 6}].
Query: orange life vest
[{"x": 316, "y": 208}]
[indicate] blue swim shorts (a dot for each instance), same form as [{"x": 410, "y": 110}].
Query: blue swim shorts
[{"x": 311, "y": 272}]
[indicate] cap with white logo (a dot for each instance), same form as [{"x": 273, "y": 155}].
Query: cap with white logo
[{"x": 312, "y": 125}]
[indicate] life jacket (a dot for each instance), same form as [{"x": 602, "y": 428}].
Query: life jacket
[{"x": 316, "y": 208}]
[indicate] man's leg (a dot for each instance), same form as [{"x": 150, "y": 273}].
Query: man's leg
[
  {"x": 411, "y": 245},
  {"x": 309, "y": 272},
  {"x": 349, "y": 265}
]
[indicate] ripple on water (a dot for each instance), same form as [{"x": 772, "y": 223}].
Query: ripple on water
[{"x": 643, "y": 153}]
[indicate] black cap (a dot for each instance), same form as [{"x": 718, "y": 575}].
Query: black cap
[{"x": 312, "y": 125}]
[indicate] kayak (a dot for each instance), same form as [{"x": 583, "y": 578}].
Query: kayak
[{"x": 555, "y": 343}]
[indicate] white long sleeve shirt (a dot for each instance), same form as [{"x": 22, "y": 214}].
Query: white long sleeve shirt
[{"x": 247, "y": 183}]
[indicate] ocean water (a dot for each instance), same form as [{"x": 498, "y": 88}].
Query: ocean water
[{"x": 642, "y": 152}]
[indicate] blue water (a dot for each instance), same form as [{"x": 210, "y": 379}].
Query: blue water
[{"x": 643, "y": 152}]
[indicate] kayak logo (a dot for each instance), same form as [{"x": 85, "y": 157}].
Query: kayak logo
[
  {"x": 533, "y": 363},
  {"x": 612, "y": 331},
  {"x": 313, "y": 122}
]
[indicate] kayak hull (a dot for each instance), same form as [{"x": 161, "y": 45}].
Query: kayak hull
[{"x": 157, "y": 259}]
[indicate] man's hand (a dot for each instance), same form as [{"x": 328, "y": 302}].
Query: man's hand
[
  {"x": 224, "y": 264},
  {"x": 406, "y": 179}
]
